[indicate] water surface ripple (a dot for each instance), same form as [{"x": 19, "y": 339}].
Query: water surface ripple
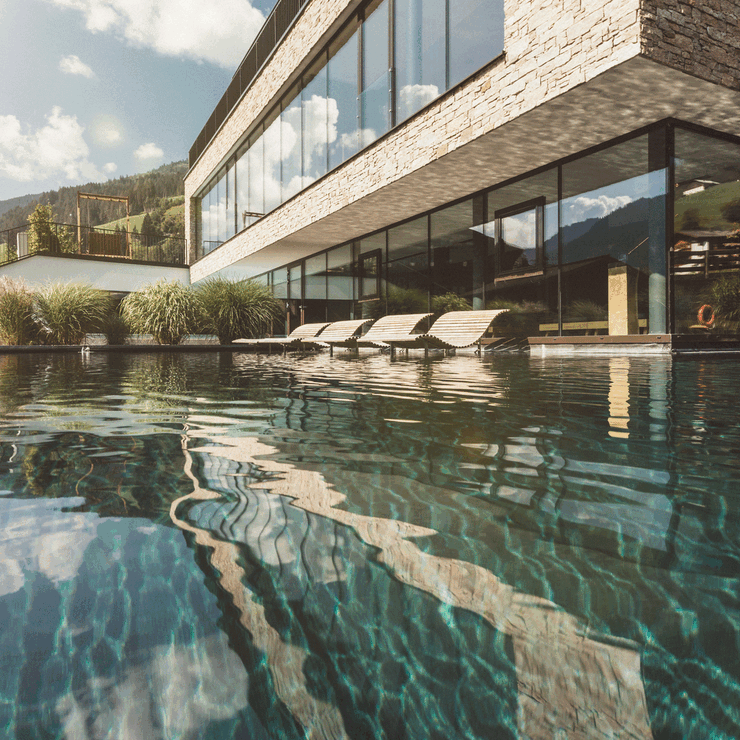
[{"x": 303, "y": 546}]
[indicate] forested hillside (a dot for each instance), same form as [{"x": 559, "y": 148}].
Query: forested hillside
[{"x": 146, "y": 191}]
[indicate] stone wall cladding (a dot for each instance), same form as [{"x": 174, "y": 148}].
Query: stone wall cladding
[
  {"x": 550, "y": 47},
  {"x": 700, "y": 37}
]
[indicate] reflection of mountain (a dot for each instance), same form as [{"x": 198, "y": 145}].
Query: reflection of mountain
[{"x": 615, "y": 234}]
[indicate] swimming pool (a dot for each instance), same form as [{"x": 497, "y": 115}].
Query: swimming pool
[{"x": 239, "y": 546}]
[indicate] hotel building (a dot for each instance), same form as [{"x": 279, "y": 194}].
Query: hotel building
[{"x": 577, "y": 162}]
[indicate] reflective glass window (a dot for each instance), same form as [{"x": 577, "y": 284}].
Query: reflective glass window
[
  {"x": 705, "y": 255},
  {"x": 420, "y": 53},
  {"x": 458, "y": 253},
  {"x": 315, "y": 125},
  {"x": 408, "y": 267},
  {"x": 339, "y": 273},
  {"x": 375, "y": 96},
  {"x": 343, "y": 134},
  {"x": 290, "y": 146},
  {"x": 256, "y": 185},
  {"x": 476, "y": 35},
  {"x": 272, "y": 171},
  {"x": 242, "y": 188},
  {"x": 613, "y": 236},
  {"x": 230, "y": 217},
  {"x": 280, "y": 283},
  {"x": 315, "y": 278}
]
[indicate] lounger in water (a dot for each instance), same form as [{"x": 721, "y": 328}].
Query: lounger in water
[
  {"x": 339, "y": 334},
  {"x": 453, "y": 330},
  {"x": 297, "y": 336},
  {"x": 395, "y": 325}
]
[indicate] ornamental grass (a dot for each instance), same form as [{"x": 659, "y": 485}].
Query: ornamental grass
[
  {"x": 241, "y": 309},
  {"x": 65, "y": 312},
  {"x": 16, "y": 312},
  {"x": 168, "y": 310}
]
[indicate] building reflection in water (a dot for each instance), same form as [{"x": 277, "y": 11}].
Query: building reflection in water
[{"x": 567, "y": 678}]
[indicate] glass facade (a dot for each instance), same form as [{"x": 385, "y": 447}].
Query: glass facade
[
  {"x": 705, "y": 254},
  {"x": 389, "y": 61},
  {"x": 584, "y": 247}
]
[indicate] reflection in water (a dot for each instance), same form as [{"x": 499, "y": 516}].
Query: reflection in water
[{"x": 302, "y": 546}]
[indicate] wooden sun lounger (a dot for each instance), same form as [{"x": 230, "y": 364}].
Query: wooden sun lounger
[
  {"x": 453, "y": 330},
  {"x": 394, "y": 325},
  {"x": 297, "y": 336},
  {"x": 339, "y": 334}
]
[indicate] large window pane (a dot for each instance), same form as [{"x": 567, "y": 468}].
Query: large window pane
[
  {"x": 315, "y": 125},
  {"x": 242, "y": 189},
  {"x": 522, "y": 255},
  {"x": 613, "y": 235},
  {"x": 272, "y": 176},
  {"x": 256, "y": 178},
  {"x": 408, "y": 267},
  {"x": 290, "y": 147},
  {"x": 375, "y": 97},
  {"x": 339, "y": 271},
  {"x": 315, "y": 278},
  {"x": 230, "y": 201},
  {"x": 476, "y": 35},
  {"x": 343, "y": 88},
  {"x": 420, "y": 54},
  {"x": 706, "y": 252},
  {"x": 458, "y": 253}
]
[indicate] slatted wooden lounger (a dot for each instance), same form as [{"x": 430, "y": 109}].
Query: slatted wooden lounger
[
  {"x": 453, "y": 330},
  {"x": 297, "y": 336},
  {"x": 339, "y": 334},
  {"x": 394, "y": 325}
]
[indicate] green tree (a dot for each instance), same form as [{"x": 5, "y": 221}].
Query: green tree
[
  {"x": 731, "y": 212},
  {"x": 41, "y": 236}
]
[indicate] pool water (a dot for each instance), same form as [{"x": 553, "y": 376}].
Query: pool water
[{"x": 238, "y": 546}]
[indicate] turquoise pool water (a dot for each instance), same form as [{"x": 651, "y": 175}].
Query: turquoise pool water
[{"x": 240, "y": 546}]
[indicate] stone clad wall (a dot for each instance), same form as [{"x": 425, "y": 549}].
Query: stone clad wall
[
  {"x": 700, "y": 37},
  {"x": 550, "y": 47}
]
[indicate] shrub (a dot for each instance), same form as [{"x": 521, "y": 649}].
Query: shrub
[
  {"x": 168, "y": 311},
  {"x": 398, "y": 301},
  {"x": 726, "y": 298},
  {"x": 587, "y": 310},
  {"x": 115, "y": 328},
  {"x": 65, "y": 312},
  {"x": 16, "y": 312},
  {"x": 237, "y": 309},
  {"x": 450, "y": 302}
]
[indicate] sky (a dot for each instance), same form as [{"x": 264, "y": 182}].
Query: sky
[{"x": 96, "y": 89}]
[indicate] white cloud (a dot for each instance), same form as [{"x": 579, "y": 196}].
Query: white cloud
[
  {"x": 584, "y": 207},
  {"x": 107, "y": 131},
  {"x": 73, "y": 65},
  {"x": 54, "y": 151},
  {"x": 219, "y": 31},
  {"x": 415, "y": 97},
  {"x": 109, "y": 168},
  {"x": 149, "y": 154}
]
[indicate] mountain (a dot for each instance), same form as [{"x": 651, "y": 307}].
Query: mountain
[
  {"x": 22, "y": 200},
  {"x": 145, "y": 192}
]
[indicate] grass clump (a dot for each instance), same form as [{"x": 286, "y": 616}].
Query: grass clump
[
  {"x": 726, "y": 299},
  {"x": 237, "y": 309},
  {"x": 16, "y": 312},
  {"x": 65, "y": 312},
  {"x": 168, "y": 310}
]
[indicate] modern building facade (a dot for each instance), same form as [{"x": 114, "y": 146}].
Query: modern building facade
[{"x": 576, "y": 162}]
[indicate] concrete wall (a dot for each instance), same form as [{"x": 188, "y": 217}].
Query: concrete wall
[
  {"x": 700, "y": 37},
  {"x": 550, "y": 47},
  {"x": 116, "y": 276}
]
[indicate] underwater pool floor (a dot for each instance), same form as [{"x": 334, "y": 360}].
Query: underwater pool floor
[{"x": 233, "y": 546}]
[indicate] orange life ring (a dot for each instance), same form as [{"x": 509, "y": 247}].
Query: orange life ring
[{"x": 701, "y": 317}]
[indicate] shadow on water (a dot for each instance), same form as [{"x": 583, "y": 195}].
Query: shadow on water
[{"x": 455, "y": 548}]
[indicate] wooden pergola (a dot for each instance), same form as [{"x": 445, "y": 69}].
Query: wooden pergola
[{"x": 109, "y": 198}]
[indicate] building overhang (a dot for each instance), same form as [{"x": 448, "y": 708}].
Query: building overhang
[{"x": 626, "y": 97}]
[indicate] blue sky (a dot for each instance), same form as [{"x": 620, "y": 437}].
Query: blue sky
[{"x": 96, "y": 89}]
